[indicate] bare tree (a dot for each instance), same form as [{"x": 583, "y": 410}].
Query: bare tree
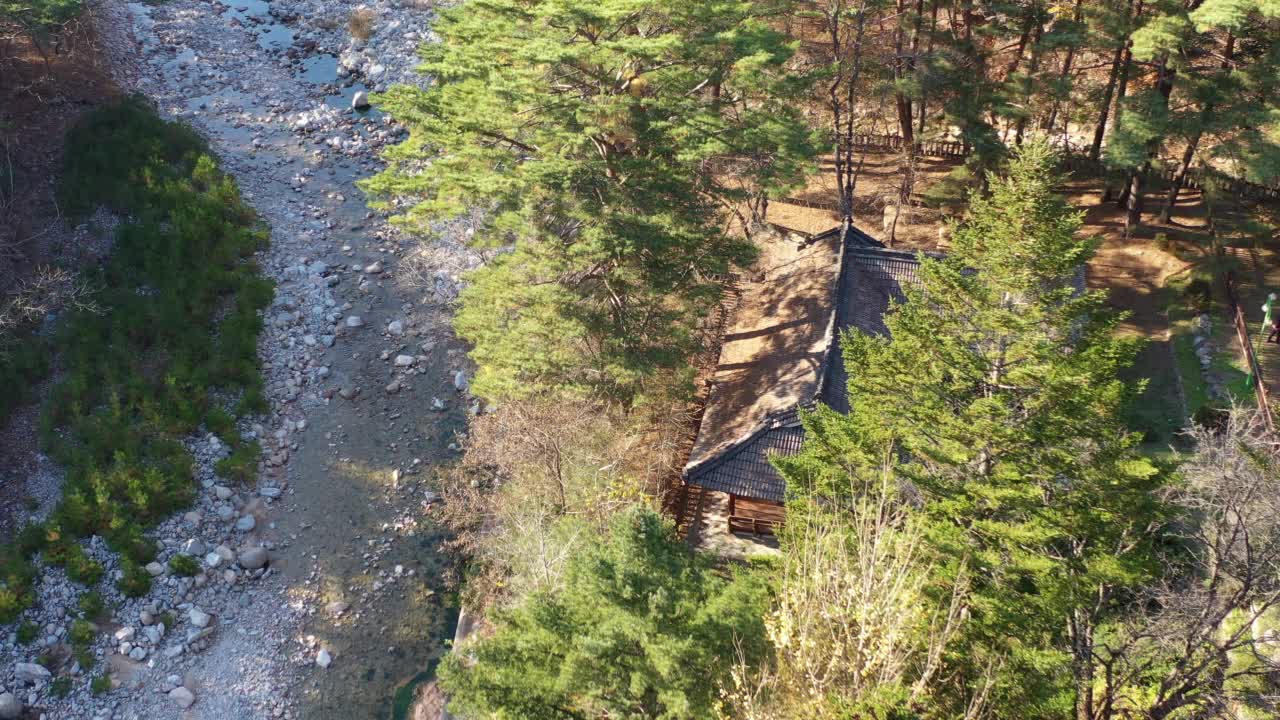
[
  {"x": 851, "y": 617},
  {"x": 1210, "y": 634}
]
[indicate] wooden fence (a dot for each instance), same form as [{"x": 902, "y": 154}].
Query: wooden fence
[
  {"x": 1197, "y": 179},
  {"x": 1246, "y": 347}
]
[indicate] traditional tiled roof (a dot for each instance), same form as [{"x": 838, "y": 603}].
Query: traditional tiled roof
[{"x": 747, "y": 420}]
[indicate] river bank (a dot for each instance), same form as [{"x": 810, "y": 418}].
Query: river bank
[{"x": 366, "y": 386}]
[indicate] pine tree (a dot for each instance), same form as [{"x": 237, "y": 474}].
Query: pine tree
[
  {"x": 641, "y": 629},
  {"x": 606, "y": 144},
  {"x": 998, "y": 394}
]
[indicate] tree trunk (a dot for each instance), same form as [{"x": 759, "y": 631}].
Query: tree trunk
[
  {"x": 1119, "y": 76},
  {"x": 1082, "y": 671},
  {"x": 1188, "y": 155},
  {"x": 901, "y": 102},
  {"x": 1180, "y": 177},
  {"x": 1063, "y": 75},
  {"x": 1028, "y": 86}
]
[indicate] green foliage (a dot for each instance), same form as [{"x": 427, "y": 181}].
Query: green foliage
[
  {"x": 28, "y": 632},
  {"x": 24, "y": 363},
  {"x": 82, "y": 633},
  {"x": 92, "y": 605},
  {"x": 85, "y": 657},
  {"x": 184, "y": 565},
  {"x": 181, "y": 301},
  {"x": 101, "y": 684},
  {"x": 42, "y": 21},
  {"x": 641, "y": 628},
  {"x": 135, "y": 581},
  {"x": 999, "y": 393},
  {"x": 60, "y": 687},
  {"x": 241, "y": 465},
  {"x": 72, "y": 557},
  {"x": 587, "y": 131}
]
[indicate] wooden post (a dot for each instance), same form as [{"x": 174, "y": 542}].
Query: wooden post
[{"x": 729, "y": 521}]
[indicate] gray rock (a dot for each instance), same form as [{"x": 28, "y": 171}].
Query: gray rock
[
  {"x": 404, "y": 360},
  {"x": 395, "y": 327},
  {"x": 360, "y": 101},
  {"x": 354, "y": 321},
  {"x": 155, "y": 569},
  {"x": 460, "y": 380},
  {"x": 10, "y": 706},
  {"x": 223, "y": 492},
  {"x": 337, "y": 607},
  {"x": 246, "y": 523},
  {"x": 374, "y": 268},
  {"x": 183, "y": 697},
  {"x": 254, "y": 558},
  {"x": 270, "y": 492},
  {"x": 198, "y": 617},
  {"x": 323, "y": 658},
  {"x": 31, "y": 673},
  {"x": 213, "y": 560},
  {"x": 193, "y": 547}
]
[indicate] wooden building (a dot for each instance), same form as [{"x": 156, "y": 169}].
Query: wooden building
[{"x": 781, "y": 353}]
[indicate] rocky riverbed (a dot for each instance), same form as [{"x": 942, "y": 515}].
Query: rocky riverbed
[{"x": 319, "y": 590}]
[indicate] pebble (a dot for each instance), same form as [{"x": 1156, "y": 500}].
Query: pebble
[
  {"x": 246, "y": 523},
  {"x": 323, "y": 658}
]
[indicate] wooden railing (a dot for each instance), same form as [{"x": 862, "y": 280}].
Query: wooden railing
[{"x": 1246, "y": 347}]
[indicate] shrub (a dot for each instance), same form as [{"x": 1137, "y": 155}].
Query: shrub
[
  {"x": 1198, "y": 295},
  {"x": 82, "y": 633},
  {"x": 79, "y": 566},
  {"x": 60, "y": 687},
  {"x": 184, "y": 565},
  {"x": 92, "y": 605},
  {"x": 135, "y": 581},
  {"x": 241, "y": 465},
  {"x": 360, "y": 23},
  {"x": 28, "y": 632},
  {"x": 100, "y": 684},
  {"x": 86, "y": 659},
  {"x": 141, "y": 374}
]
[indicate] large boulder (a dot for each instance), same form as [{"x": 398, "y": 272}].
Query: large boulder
[{"x": 31, "y": 673}]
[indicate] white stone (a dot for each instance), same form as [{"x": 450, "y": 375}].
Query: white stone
[
  {"x": 125, "y": 633},
  {"x": 246, "y": 523},
  {"x": 354, "y": 321},
  {"x": 395, "y": 327},
  {"x": 323, "y": 658},
  {"x": 361, "y": 100},
  {"x": 213, "y": 560},
  {"x": 404, "y": 360}
]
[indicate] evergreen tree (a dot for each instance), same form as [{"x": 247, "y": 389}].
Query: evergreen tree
[
  {"x": 998, "y": 399},
  {"x": 640, "y": 629},
  {"x": 607, "y": 143}
]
